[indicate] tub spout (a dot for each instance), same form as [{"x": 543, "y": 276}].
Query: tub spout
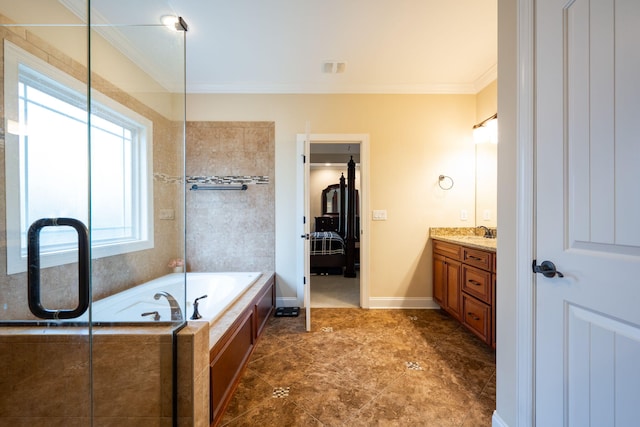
[{"x": 176, "y": 312}]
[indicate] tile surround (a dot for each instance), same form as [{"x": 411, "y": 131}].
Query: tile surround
[{"x": 231, "y": 230}]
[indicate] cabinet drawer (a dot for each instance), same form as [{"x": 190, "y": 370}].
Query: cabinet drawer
[
  {"x": 449, "y": 250},
  {"x": 477, "y": 283},
  {"x": 480, "y": 259},
  {"x": 476, "y": 317}
]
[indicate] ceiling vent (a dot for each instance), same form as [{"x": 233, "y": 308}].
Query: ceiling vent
[{"x": 334, "y": 67}]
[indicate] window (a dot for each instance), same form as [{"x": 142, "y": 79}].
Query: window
[{"x": 50, "y": 165}]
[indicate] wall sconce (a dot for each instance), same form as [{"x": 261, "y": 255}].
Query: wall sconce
[{"x": 486, "y": 130}]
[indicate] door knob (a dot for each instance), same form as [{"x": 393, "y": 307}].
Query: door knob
[{"x": 547, "y": 268}]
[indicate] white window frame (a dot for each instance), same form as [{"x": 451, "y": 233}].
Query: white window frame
[{"x": 143, "y": 168}]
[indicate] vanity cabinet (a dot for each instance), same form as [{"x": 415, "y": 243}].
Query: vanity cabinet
[
  {"x": 446, "y": 284},
  {"x": 464, "y": 286}
]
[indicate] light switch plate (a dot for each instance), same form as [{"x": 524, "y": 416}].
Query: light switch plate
[
  {"x": 463, "y": 215},
  {"x": 380, "y": 215},
  {"x": 167, "y": 214}
]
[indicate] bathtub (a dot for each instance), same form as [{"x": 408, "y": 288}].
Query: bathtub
[{"x": 222, "y": 290}]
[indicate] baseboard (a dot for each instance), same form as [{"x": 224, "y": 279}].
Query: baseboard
[
  {"x": 376, "y": 303},
  {"x": 496, "y": 421},
  {"x": 287, "y": 302},
  {"x": 402, "y": 302}
]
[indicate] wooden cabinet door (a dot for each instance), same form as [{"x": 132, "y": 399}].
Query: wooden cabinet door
[
  {"x": 439, "y": 279},
  {"x": 453, "y": 300},
  {"x": 447, "y": 283}
]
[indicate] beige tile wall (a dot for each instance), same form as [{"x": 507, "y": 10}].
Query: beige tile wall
[
  {"x": 193, "y": 375},
  {"x": 231, "y": 230},
  {"x": 132, "y": 377}
]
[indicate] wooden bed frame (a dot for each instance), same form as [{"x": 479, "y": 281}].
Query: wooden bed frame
[{"x": 345, "y": 226}]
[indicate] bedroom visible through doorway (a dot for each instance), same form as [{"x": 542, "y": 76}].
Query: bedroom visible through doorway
[{"x": 334, "y": 283}]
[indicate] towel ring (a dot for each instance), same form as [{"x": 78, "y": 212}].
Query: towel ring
[{"x": 448, "y": 185}]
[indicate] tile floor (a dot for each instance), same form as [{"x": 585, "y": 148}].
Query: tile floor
[
  {"x": 335, "y": 291},
  {"x": 366, "y": 368}
]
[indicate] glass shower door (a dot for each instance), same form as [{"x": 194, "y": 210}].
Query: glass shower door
[
  {"x": 45, "y": 333},
  {"x": 93, "y": 205},
  {"x": 137, "y": 200}
]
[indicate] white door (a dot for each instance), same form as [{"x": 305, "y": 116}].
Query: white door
[
  {"x": 304, "y": 267},
  {"x": 587, "y": 359}
]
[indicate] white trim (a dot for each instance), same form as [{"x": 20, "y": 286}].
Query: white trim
[
  {"x": 496, "y": 421},
  {"x": 403, "y": 302},
  {"x": 142, "y": 157},
  {"x": 470, "y": 88},
  {"x": 486, "y": 78},
  {"x": 440, "y": 89},
  {"x": 525, "y": 210},
  {"x": 363, "y": 140}
]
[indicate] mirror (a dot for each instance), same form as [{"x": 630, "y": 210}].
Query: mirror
[
  {"x": 331, "y": 200},
  {"x": 486, "y": 184}
]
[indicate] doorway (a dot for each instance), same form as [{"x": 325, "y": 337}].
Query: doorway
[
  {"x": 305, "y": 141},
  {"x": 331, "y": 285}
]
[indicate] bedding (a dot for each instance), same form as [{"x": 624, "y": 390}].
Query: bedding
[{"x": 327, "y": 243}]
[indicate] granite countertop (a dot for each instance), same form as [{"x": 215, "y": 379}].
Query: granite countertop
[{"x": 468, "y": 236}]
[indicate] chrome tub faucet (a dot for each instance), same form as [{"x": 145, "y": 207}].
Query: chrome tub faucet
[{"x": 176, "y": 312}]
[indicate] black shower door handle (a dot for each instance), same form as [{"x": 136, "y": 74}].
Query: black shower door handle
[{"x": 33, "y": 270}]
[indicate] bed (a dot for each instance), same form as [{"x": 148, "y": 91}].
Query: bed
[
  {"x": 327, "y": 252},
  {"x": 333, "y": 241}
]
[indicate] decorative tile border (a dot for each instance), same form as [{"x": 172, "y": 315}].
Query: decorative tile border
[
  {"x": 414, "y": 366},
  {"x": 229, "y": 179},
  {"x": 167, "y": 179},
  {"x": 280, "y": 392}
]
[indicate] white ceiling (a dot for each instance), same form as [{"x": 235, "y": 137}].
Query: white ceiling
[
  {"x": 280, "y": 46},
  {"x": 389, "y": 46}
]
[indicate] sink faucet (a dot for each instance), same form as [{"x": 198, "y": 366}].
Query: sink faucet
[
  {"x": 488, "y": 234},
  {"x": 176, "y": 312}
]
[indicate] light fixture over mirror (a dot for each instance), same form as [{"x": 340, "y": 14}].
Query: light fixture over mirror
[{"x": 486, "y": 131}]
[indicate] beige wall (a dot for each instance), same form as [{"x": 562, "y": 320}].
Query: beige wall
[{"x": 413, "y": 139}]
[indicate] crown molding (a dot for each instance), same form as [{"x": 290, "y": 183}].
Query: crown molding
[{"x": 486, "y": 78}]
